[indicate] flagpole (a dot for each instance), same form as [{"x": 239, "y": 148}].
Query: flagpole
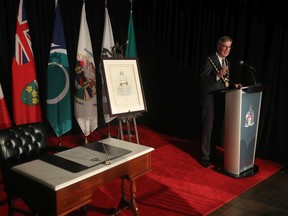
[
  {"x": 107, "y": 51},
  {"x": 109, "y": 130},
  {"x": 59, "y": 141},
  {"x": 131, "y": 1}
]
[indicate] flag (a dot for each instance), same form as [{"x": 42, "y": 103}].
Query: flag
[
  {"x": 25, "y": 91},
  {"x": 59, "y": 110},
  {"x": 107, "y": 44},
  {"x": 5, "y": 121},
  {"x": 131, "y": 50},
  {"x": 85, "y": 99}
]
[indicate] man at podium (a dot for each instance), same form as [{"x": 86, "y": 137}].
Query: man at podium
[{"x": 214, "y": 77}]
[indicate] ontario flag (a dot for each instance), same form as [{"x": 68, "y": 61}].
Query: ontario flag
[
  {"x": 5, "y": 121},
  {"x": 85, "y": 98},
  {"x": 25, "y": 91},
  {"x": 59, "y": 110},
  {"x": 107, "y": 44}
]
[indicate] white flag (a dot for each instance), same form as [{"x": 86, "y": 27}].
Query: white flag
[
  {"x": 5, "y": 121},
  {"x": 107, "y": 44},
  {"x": 85, "y": 100}
]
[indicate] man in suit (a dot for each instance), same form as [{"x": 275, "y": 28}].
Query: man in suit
[{"x": 214, "y": 77}]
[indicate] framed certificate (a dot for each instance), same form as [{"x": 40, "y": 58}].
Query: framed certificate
[{"x": 123, "y": 85}]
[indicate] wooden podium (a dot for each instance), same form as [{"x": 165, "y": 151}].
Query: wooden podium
[{"x": 242, "y": 112}]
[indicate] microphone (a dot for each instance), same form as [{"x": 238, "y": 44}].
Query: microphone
[
  {"x": 246, "y": 65},
  {"x": 251, "y": 71}
]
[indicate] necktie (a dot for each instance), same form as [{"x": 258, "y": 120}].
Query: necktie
[
  {"x": 223, "y": 62},
  {"x": 226, "y": 77}
]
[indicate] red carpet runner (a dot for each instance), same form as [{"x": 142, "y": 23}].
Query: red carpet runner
[{"x": 177, "y": 184}]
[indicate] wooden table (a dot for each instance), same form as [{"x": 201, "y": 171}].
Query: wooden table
[{"x": 51, "y": 190}]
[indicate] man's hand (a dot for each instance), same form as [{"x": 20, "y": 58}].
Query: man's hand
[
  {"x": 224, "y": 70},
  {"x": 238, "y": 85}
]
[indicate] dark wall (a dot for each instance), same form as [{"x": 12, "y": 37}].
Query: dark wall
[{"x": 172, "y": 38}]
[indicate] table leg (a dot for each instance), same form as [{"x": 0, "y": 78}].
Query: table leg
[
  {"x": 124, "y": 203},
  {"x": 128, "y": 203},
  {"x": 133, "y": 198}
]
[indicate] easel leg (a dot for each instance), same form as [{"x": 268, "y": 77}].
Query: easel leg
[
  {"x": 136, "y": 131},
  {"x": 128, "y": 130},
  {"x": 120, "y": 130},
  {"x": 126, "y": 118}
]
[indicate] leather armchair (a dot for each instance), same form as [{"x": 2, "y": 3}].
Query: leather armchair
[{"x": 20, "y": 144}]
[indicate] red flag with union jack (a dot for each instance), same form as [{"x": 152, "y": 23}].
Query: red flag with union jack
[{"x": 26, "y": 104}]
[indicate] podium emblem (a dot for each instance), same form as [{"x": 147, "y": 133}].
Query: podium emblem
[{"x": 249, "y": 117}]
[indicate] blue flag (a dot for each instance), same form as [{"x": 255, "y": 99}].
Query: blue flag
[{"x": 59, "y": 110}]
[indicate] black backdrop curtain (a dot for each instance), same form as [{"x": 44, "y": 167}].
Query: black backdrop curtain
[{"x": 172, "y": 37}]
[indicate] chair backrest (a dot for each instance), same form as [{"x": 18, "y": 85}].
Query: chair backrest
[{"x": 22, "y": 143}]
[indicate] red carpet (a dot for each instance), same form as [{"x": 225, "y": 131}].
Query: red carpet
[{"x": 177, "y": 184}]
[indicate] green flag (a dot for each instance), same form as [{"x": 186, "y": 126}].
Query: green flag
[
  {"x": 59, "y": 109},
  {"x": 131, "y": 50}
]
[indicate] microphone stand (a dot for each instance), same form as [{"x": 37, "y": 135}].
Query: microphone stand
[
  {"x": 251, "y": 70},
  {"x": 253, "y": 76}
]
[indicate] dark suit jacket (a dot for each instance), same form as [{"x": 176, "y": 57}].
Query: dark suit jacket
[{"x": 208, "y": 81}]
